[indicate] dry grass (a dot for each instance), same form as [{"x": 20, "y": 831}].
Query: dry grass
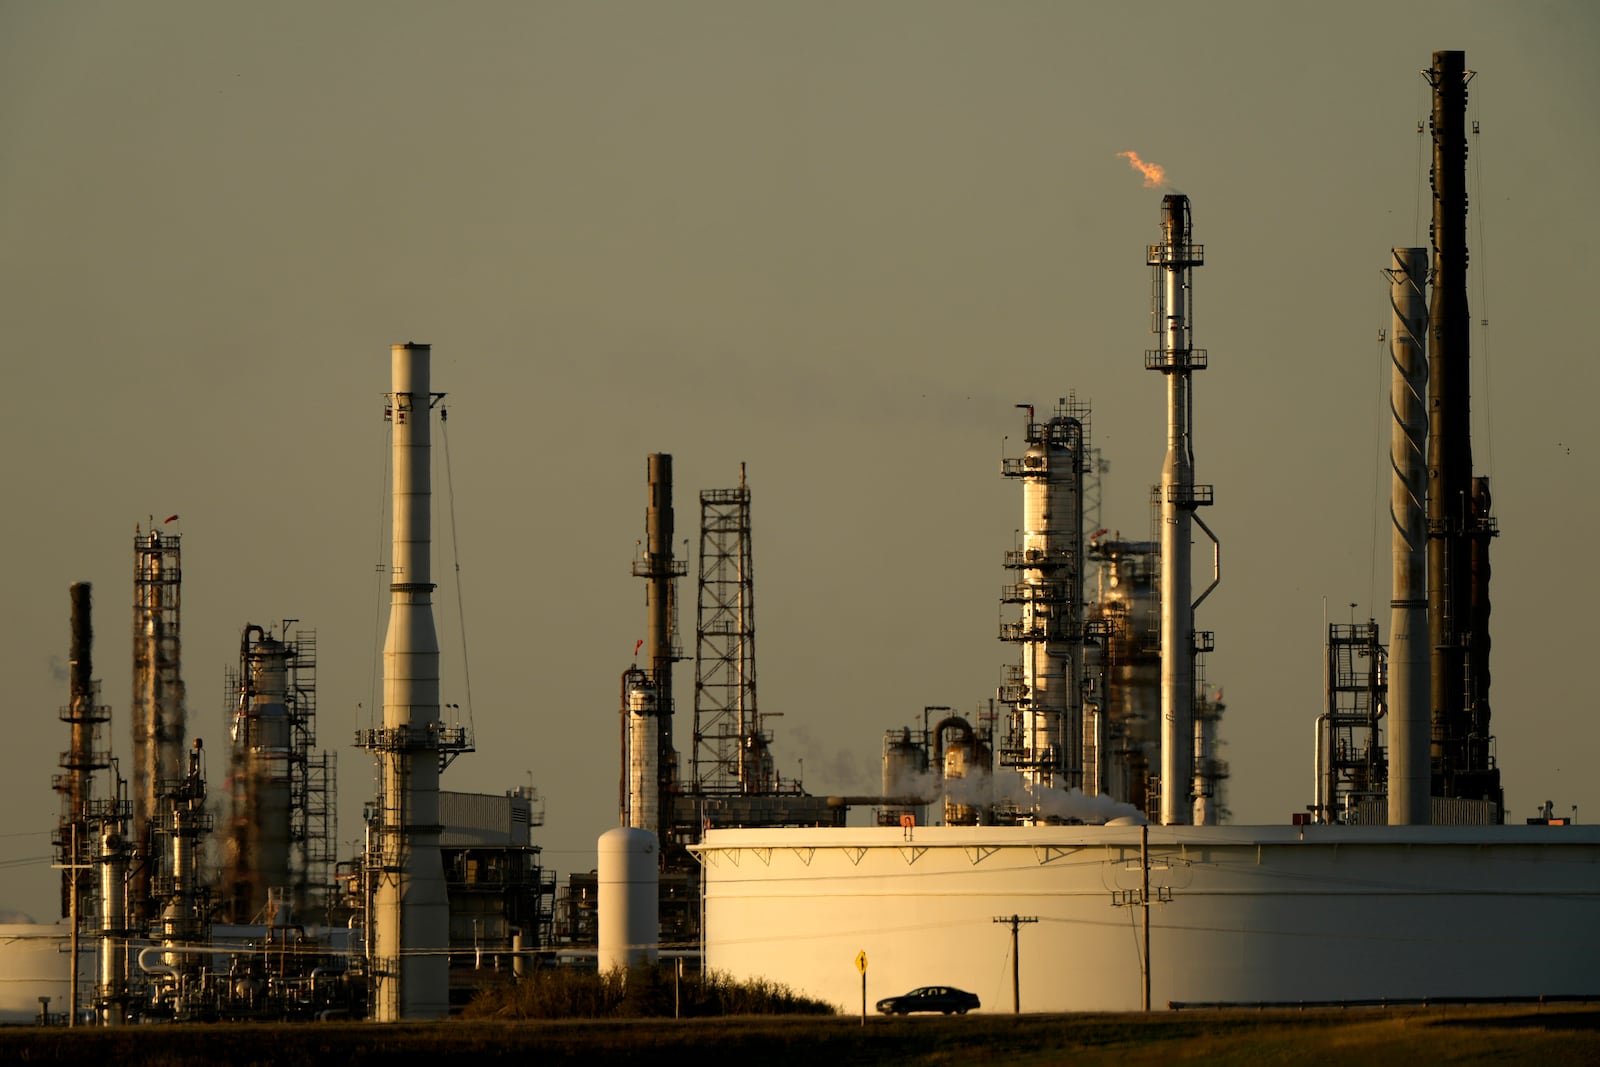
[{"x": 1409, "y": 1037}]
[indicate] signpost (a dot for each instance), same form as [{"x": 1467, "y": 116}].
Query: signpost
[{"x": 861, "y": 965}]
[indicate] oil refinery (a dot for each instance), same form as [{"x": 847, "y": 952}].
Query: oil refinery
[
  {"x": 1087, "y": 790},
  {"x": 1405, "y": 855}
]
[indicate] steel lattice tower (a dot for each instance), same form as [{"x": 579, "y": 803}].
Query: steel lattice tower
[{"x": 730, "y": 747}]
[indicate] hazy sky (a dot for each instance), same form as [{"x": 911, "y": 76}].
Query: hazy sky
[{"x": 835, "y": 241}]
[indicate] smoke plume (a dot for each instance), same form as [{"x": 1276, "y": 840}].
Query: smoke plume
[{"x": 981, "y": 790}]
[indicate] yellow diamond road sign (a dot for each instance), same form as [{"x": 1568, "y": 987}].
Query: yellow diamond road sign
[{"x": 861, "y": 961}]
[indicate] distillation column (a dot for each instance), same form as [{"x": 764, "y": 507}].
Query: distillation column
[
  {"x": 641, "y": 734},
  {"x": 1045, "y": 740},
  {"x": 259, "y": 831},
  {"x": 1127, "y": 615},
  {"x": 158, "y": 690},
  {"x": 410, "y": 912},
  {"x": 113, "y": 859},
  {"x": 179, "y": 844},
  {"x": 1408, "y": 609},
  {"x": 1177, "y": 359}
]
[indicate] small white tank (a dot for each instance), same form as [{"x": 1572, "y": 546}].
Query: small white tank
[
  {"x": 36, "y": 961},
  {"x": 627, "y": 881}
]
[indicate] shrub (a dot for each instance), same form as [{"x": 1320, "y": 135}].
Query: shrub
[{"x": 645, "y": 991}]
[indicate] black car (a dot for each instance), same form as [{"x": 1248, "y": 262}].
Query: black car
[{"x": 930, "y": 998}]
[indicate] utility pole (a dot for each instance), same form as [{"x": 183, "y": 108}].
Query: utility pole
[
  {"x": 77, "y": 888},
  {"x": 1144, "y": 897},
  {"x": 1016, "y": 969},
  {"x": 75, "y": 866},
  {"x": 1140, "y": 898}
]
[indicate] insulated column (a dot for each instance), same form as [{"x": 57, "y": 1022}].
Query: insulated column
[{"x": 1409, "y": 652}]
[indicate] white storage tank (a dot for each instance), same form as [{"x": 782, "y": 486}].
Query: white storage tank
[
  {"x": 1248, "y": 915},
  {"x": 628, "y": 877},
  {"x": 36, "y": 961}
]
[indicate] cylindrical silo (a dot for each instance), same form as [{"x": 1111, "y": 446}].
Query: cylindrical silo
[{"x": 626, "y": 884}]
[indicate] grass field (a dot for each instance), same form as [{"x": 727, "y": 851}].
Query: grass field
[{"x": 1413, "y": 1037}]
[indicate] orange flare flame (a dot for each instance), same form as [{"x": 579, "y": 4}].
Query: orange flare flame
[{"x": 1155, "y": 175}]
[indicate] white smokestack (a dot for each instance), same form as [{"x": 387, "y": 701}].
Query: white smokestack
[{"x": 410, "y": 914}]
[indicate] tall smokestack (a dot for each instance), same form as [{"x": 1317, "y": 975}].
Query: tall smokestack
[
  {"x": 75, "y": 833},
  {"x": 82, "y": 714},
  {"x": 410, "y": 912},
  {"x": 1177, "y": 359},
  {"x": 1409, "y": 651},
  {"x": 1458, "y": 520},
  {"x": 660, "y": 569}
]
